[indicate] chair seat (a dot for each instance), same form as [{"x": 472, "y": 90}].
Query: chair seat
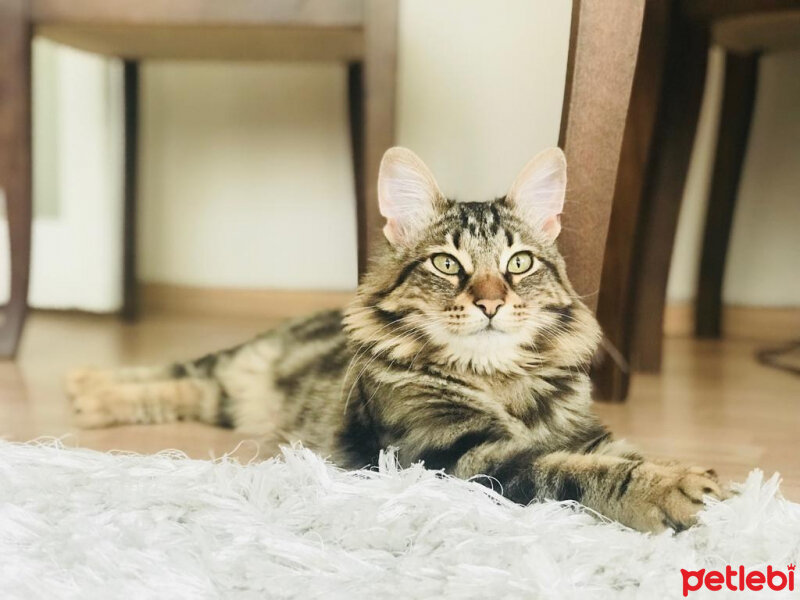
[
  {"x": 759, "y": 32},
  {"x": 711, "y": 10},
  {"x": 206, "y": 29},
  {"x": 209, "y": 43}
]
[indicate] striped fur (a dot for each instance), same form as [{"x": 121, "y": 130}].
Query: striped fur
[{"x": 414, "y": 364}]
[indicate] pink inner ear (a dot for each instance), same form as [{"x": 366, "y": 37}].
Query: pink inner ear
[
  {"x": 392, "y": 231},
  {"x": 537, "y": 194},
  {"x": 552, "y": 226}
]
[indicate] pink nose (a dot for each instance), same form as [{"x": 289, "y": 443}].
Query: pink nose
[{"x": 489, "y": 307}]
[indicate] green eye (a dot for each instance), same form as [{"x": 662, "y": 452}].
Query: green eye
[
  {"x": 521, "y": 262},
  {"x": 446, "y": 264}
]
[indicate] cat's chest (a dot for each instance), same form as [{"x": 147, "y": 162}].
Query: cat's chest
[
  {"x": 532, "y": 401},
  {"x": 515, "y": 396}
]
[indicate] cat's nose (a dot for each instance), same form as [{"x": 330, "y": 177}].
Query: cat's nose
[
  {"x": 489, "y": 307},
  {"x": 489, "y": 293}
]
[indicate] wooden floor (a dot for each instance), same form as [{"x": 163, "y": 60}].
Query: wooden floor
[{"x": 712, "y": 405}]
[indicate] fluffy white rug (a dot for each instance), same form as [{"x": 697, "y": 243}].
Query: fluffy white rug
[{"x": 83, "y": 524}]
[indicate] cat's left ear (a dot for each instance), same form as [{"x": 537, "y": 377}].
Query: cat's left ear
[
  {"x": 538, "y": 192},
  {"x": 408, "y": 196}
]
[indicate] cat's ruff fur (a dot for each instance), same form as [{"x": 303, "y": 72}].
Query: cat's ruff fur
[
  {"x": 466, "y": 348},
  {"x": 78, "y": 524}
]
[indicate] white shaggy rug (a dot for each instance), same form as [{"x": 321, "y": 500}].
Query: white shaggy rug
[{"x": 83, "y": 524}]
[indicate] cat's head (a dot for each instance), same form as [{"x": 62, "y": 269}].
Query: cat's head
[{"x": 476, "y": 285}]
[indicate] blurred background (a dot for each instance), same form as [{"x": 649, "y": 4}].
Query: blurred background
[
  {"x": 245, "y": 186},
  {"x": 246, "y": 180}
]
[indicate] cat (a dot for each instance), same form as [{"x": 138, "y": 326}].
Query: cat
[{"x": 466, "y": 348}]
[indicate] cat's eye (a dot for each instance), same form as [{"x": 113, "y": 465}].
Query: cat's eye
[
  {"x": 521, "y": 262},
  {"x": 446, "y": 264}
]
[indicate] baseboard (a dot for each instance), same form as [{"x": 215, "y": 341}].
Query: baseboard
[
  {"x": 738, "y": 322},
  {"x": 235, "y": 302}
]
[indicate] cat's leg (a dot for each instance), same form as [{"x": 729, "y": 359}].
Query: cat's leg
[
  {"x": 147, "y": 402},
  {"x": 86, "y": 379},
  {"x": 642, "y": 494},
  {"x": 645, "y": 495},
  {"x": 180, "y": 391},
  {"x": 232, "y": 388}
]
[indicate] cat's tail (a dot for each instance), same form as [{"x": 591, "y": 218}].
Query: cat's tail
[{"x": 143, "y": 395}]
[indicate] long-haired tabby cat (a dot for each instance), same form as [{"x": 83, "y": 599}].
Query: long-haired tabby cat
[{"x": 466, "y": 348}]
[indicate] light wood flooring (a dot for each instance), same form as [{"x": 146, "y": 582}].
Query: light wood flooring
[{"x": 713, "y": 404}]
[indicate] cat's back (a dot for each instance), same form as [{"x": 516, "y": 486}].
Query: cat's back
[
  {"x": 309, "y": 329},
  {"x": 307, "y": 347}
]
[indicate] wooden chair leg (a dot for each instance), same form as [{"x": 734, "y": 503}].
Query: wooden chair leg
[
  {"x": 378, "y": 113},
  {"x": 15, "y": 160},
  {"x": 355, "y": 104},
  {"x": 611, "y": 376},
  {"x": 596, "y": 99},
  {"x": 130, "y": 296},
  {"x": 676, "y": 122},
  {"x": 741, "y": 73},
  {"x": 593, "y": 125}
]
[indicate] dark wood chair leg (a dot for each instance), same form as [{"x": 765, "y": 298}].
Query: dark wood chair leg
[
  {"x": 130, "y": 296},
  {"x": 741, "y": 73},
  {"x": 598, "y": 87},
  {"x": 355, "y": 104},
  {"x": 378, "y": 113},
  {"x": 15, "y": 160},
  {"x": 673, "y": 137},
  {"x": 612, "y": 375},
  {"x": 596, "y": 101}
]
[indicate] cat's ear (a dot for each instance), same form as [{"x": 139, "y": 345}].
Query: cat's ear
[
  {"x": 538, "y": 192},
  {"x": 408, "y": 196}
]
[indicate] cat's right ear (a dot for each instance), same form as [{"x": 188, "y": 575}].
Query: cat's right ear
[
  {"x": 407, "y": 194},
  {"x": 538, "y": 192}
]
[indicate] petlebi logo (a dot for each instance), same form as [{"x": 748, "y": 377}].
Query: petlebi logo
[{"x": 739, "y": 580}]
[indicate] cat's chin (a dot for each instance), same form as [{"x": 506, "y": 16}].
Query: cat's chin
[
  {"x": 486, "y": 350},
  {"x": 493, "y": 328}
]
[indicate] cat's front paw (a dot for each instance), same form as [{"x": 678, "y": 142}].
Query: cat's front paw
[{"x": 669, "y": 496}]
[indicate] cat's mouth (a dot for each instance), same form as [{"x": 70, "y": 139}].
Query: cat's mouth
[{"x": 490, "y": 328}]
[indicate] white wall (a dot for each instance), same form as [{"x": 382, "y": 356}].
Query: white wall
[
  {"x": 76, "y": 254},
  {"x": 764, "y": 260},
  {"x": 246, "y": 176},
  {"x": 762, "y": 267},
  {"x": 480, "y": 89}
]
